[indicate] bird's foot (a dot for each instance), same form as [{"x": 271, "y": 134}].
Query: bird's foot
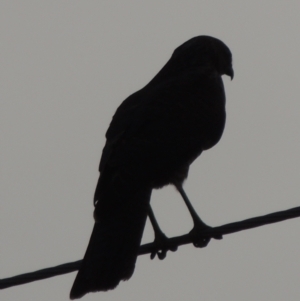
[
  {"x": 201, "y": 237},
  {"x": 162, "y": 246}
]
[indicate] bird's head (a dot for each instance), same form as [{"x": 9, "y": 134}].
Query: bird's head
[{"x": 207, "y": 52}]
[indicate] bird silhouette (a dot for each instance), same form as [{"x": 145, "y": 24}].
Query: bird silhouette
[{"x": 154, "y": 136}]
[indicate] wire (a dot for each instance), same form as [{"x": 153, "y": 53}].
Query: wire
[{"x": 151, "y": 247}]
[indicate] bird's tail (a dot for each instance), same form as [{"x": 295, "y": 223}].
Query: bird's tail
[{"x": 120, "y": 214}]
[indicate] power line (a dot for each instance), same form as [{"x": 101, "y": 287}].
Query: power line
[{"x": 151, "y": 248}]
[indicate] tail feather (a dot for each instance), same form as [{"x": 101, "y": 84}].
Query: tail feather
[{"x": 113, "y": 248}]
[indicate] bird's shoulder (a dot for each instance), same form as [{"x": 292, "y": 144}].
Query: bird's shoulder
[{"x": 161, "y": 103}]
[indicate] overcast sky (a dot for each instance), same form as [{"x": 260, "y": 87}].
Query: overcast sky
[{"x": 65, "y": 66}]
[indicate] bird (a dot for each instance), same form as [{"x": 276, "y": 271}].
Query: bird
[{"x": 154, "y": 136}]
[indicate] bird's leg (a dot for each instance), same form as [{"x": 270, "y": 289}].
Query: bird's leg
[
  {"x": 161, "y": 241},
  {"x": 199, "y": 240},
  {"x": 196, "y": 219}
]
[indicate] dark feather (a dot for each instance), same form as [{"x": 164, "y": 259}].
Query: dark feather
[{"x": 154, "y": 136}]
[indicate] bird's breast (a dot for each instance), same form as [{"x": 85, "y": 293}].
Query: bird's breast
[{"x": 206, "y": 118}]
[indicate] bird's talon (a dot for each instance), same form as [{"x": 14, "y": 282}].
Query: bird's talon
[
  {"x": 152, "y": 255},
  {"x": 198, "y": 239},
  {"x": 161, "y": 254},
  {"x": 218, "y": 237},
  {"x": 201, "y": 243},
  {"x": 162, "y": 246},
  {"x": 173, "y": 249}
]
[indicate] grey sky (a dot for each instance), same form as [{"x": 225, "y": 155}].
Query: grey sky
[{"x": 65, "y": 66}]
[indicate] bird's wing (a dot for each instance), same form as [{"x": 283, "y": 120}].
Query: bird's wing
[{"x": 157, "y": 120}]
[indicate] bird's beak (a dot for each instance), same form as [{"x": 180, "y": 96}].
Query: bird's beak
[{"x": 230, "y": 73}]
